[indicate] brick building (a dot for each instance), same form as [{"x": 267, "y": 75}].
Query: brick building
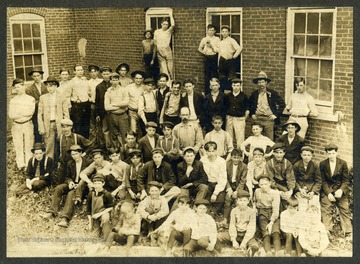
[{"x": 316, "y": 43}]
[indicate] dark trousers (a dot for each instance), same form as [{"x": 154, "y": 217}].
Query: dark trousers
[
  {"x": 264, "y": 216},
  {"x": 211, "y": 70},
  {"x": 227, "y": 71},
  {"x": 220, "y": 199},
  {"x": 199, "y": 244},
  {"x": 182, "y": 237},
  {"x": 80, "y": 115},
  {"x": 151, "y": 70},
  {"x": 118, "y": 126},
  {"x": 37, "y": 136},
  {"x": 59, "y": 191},
  {"x": 173, "y": 119},
  {"x": 122, "y": 239},
  {"x": 36, "y": 186}
]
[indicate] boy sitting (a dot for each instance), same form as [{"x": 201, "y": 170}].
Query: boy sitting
[
  {"x": 132, "y": 174},
  {"x": 115, "y": 181},
  {"x": 255, "y": 169},
  {"x": 128, "y": 146}
]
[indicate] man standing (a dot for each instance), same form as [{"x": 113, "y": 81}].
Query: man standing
[
  {"x": 162, "y": 39},
  {"x": 21, "y": 110},
  {"x": 162, "y": 89},
  {"x": 229, "y": 50},
  {"x": 122, "y": 69},
  {"x": 135, "y": 90},
  {"x": 266, "y": 105},
  {"x": 35, "y": 90},
  {"x": 53, "y": 108}
]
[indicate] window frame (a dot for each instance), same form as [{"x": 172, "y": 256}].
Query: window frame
[
  {"x": 228, "y": 11},
  {"x": 24, "y": 18},
  {"x": 326, "y": 110}
]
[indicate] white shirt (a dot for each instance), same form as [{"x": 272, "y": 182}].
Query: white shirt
[
  {"x": 193, "y": 115},
  {"x": 216, "y": 172},
  {"x": 162, "y": 38},
  {"x": 52, "y": 98}
]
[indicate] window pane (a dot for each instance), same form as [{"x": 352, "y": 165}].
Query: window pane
[
  {"x": 299, "y": 42},
  {"x": 299, "y": 23},
  {"x": 237, "y": 38},
  {"x": 18, "y": 61},
  {"x": 28, "y": 60},
  {"x": 18, "y": 48},
  {"x": 299, "y": 69},
  {"x": 26, "y": 30},
  {"x": 235, "y": 24},
  {"x": 27, "y": 45},
  {"x": 312, "y": 88},
  {"x": 313, "y": 23},
  {"x": 19, "y": 72},
  {"x": 215, "y": 20},
  {"x": 37, "y": 45},
  {"x": 225, "y": 20},
  {"x": 325, "y": 46},
  {"x": 153, "y": 23},
  {"x": 326, "y": 23},
  {"x": 16, "y": 30},
  {"x": 325, "y": 90},
  {"x": 37, "y": 60},
  {"x": 27, "y": 70},
  {"x": 36, "y": 30},
  {"x": 311, "y": 46},
  {"x": 326, "y": 69}
]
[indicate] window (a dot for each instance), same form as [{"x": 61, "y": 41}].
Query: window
[
  {"x": 231, "y": 17},
  {"x": 28, "y": 44},
  {"x": 311, "y": 54}
]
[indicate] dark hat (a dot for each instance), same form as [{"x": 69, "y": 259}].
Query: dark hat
[
  {"x": 261, "y": 150},
  {"x": 291, "y": 122},
  {"x": 157, "y": 150},
  {"x": 189, "y": 148},
  {"x": 134, "y": 152},
  {"x": 122, "y": 65},
  {"x": 52, "y": 79},
  {"x": 236, "y": 80},
  {"x": 114, "y": 74},
  {"x": 202, "y": 201},
  {"x": 308, "y": 148},
  {"x": 75, "y": 148},
  {"x": 236, "y": 152},
  {"x": 261, "y": 76},
  {"x": 149, "y": 80},
  {"x": 278, "y": 145},
  {"x": 105, "y": 68},
  {"x": 168, "y": 124},
  {"x": 16, "y": 81},
  {"x": 114, "y": 150},
  {"x": 36, "y": 69},
  {"x": 98, "y": 177},
  {"x": 242, "y": 193},
  {"x": 161, "y": 75},
  {"x": 133, "y": 74},
  {"x": 67, "y": 122},
  {"x": 151, "y": 124},
  {"x": 96, "y": 151},
  {"x": 331, "y": 146},
  {"x": 148, "y": 30},
  {"x": 38, "y": 146},
  {"x": 225, "y": 26},
  {"x": 264, "y": 176},
  {"x": 155, "y": 183},
  {"x": 93, "y": 67}
]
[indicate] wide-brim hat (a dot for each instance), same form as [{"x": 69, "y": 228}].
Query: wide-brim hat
[
  {"x": 291, "y": 122},
  {"x": 16, "y": 81},
  {"x": 261, "y": 76},
  {"x": 121, "y": 65},
  {"x": 52, "y": 79},
  {"x": 148, "y": 30},
  {"x": 36, "y": 69},
  {"x": 38, "y": 146},
  {"x": 133, "y": 74},
  {"x": 74, "y": 148}
]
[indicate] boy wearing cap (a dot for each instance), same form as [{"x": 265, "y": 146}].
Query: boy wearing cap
[
  {"x": 148, "y": 142},
  {"x": 255, "y": 169},
  {"x": 35, "y": 90},
  {"x": 21, "y": 110},
  {"x": 149, "y": 54},
  {"x": 229, "y": 50},
  {"x": 38, "y": 172},
  {"x": 242, "y": 226},
  {"x": 53, "y": 108},
  {"x": 162, "y": 89},
  {"x": 307, "y": 176},
  {"x": 99, "y": 204},
  {"x": 135, "y": 91},
  {"x": 209, "y": 47},
  {"x": 335, "y": 190},
  {"x": 132, "y": 174},
  {"x": 203, "y": 231},
  {"x": 237, "y": 111},
  {"x": 281, "y": 172},
  {"x": 267, "y": 203},
  {"x": 222, "y": 138},
  {"x": 292, "y": 141},
  {"x": 122, "y": 69},
  {"x": 130, "y": 145},
  {"x": 266, "y": 105},
  {"x": 153, "y": 208},
  {"x": 115, "y": 181},
  {"x": 171, "y": 106},
  {"x": 158, "y": 170},
  {"x": 116, "y": 101}
]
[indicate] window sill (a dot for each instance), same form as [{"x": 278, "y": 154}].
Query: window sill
[{"x": 322, "y": 116}]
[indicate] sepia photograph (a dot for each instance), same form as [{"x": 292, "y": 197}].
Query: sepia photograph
[{"x": 179, "y": 131}]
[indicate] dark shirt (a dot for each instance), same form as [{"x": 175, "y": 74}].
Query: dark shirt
[
  {"x": 236, "y": 105},
  {"x": 33, "y": 163},
  {"x": 160, "y": 97},
  {"x": 101, "y": 89}
]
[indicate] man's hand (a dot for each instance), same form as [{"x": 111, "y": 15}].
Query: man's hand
[
  {"x": 338, "y": 193},
  {"x": 90, "y": 184},
  {"x": 331, "y": 197},
  {"x": 254, "y": 117},
  {"x": 187, "y": 185},
  {"x": 269, "y": 227},
  {"x": 302, "y": 192},
  {"x": 97, "y": 119},
  {"x": 311, "y": 195},
  {"x": 272, "y": 117},
  {"x": 28, "y": 184},
  {"x": 235, "y": 244},
  {"x": 42, "y": 131},
  {"x": 143, "y": 195},
  {"x": 213, "y": 198}
]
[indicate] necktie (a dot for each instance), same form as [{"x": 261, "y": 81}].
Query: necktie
[{"x": 37, "y": 172}]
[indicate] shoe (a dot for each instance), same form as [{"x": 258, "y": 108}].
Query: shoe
[
  {"x": 249, "y": 252},
  {"x": 48, "y": 215},
  {"x": 63, "y": 223},
  {"x": 302, "y": 255}
]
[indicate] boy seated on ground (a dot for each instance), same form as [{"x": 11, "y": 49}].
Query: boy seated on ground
[
  {"x": 38, "y": 172},
  {"x": 203, "y": 231},
  {"x": 127, "y": 229},
  {"x": 132, "y": 173},
  {"x": 289, "y": 224},
  {"x": 153, "y": 209},
  {"x": 99, "y": 204},
  {"x": 267, "y": 203},
  {"x": 255, "y": 169},
  {"x": 242, "y": 226}
]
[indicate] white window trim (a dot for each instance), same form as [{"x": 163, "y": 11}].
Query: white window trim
[
  {"x": 227, "y": 11},
  {"x": 325, "y": 112},
  {"x": 27, "y": 17}
]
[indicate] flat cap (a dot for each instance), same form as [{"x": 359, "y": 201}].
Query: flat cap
[
  {"x": 308, "y": 148},
  {"x": 225, "y": 26},
  {"x": 331, "y": 146},
  {"x": 93, "y": 67},
  {"x": 242, "y": 193},
  {"x": 278, "y": 145},
  {"x": 66, "y": 122},
  {"x": 98, "y": 177},
  {"x": 236, "y": 80},
  {"x": 168, "y": 124},
  {"x": 155, "y": 183},
  {"x": 157, "y": 150},
  {"x": 52, "y": 79},
  {"x": 202, "y": 201},
  {"x": 16, "y": 81},
  {"x": 149, "y": 80},
  {"x": 96, "y": 151},
  {"x": 114, "y": 74},
  {"x": 75, "y": 148},
  {"x": 105, "y": 68},
  {"x": 151, "y": 124},
  {"x": 134, "y": 152}
]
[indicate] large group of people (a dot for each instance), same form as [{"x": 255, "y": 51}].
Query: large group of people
[{"x": 151, "y": 155}]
